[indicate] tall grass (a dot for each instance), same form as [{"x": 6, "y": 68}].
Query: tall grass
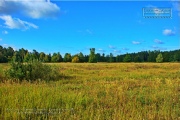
[{"x": 98, "y": 91}]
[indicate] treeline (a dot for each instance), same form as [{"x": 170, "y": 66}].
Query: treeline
[{"x": 23, "y": 55}]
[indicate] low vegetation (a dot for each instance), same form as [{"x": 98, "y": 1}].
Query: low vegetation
[
  {"x": 31, "y": 71},
  {"x": 120, "y": 91}
]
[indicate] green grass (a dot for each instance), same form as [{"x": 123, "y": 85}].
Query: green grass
[{"x": 120, "y": 91}]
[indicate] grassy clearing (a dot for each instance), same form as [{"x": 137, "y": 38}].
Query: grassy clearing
[{"x": 97, "y": 91}]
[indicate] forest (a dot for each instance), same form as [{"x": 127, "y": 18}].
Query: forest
[{"x": 22, "y": 55}]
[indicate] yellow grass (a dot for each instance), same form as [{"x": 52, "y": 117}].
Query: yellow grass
[{"x": 120, "y": 91}]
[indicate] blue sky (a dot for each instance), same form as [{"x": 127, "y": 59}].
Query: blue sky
[{"x": 72, "y": 27}]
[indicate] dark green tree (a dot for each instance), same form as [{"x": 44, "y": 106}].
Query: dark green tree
[
  {"x": 107, "y": 58},
  {"x": 67, "y": 57},
  {"x": 47, "y": 58},
  {"x": 111, "y": 58},
  {"x": 28, "y": 57},
  {"x": 176, "y": 57},
  {"x": 22, "y": 52},
  {"x": 35, "y": 55},
  {"x": 81, "y": 57},
  {"x": 56, "y": 57},
  {"x": 59, "y": 56},
  {"x": 166, "y": 56},
  {"x": 17, "y": 57},
  {"x": 86, "y": 58},
  {"x": 42, "y": 56},
  {"x": 98, "y": 57},
  {"x": 137, "y": 59},
  {"x": 152, "y": 56},
  {"x": 9, "y": 53},
  {"x": 3, "y": 59},
  {"x": 127, "y": 58},
  {"x": 103, "y": 59}
]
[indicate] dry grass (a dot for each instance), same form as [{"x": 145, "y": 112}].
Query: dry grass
[{"x": 117, "y": 91}]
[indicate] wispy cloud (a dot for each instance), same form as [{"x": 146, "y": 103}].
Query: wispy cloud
[
  {"x": 89, "y": 31},
  {"x": 0, "y": 39},
  {"x": 33, "y": 9},
  {"x": 168, "y": 32},
  {"x": 116, "y": 51},
  {"x": 85, "y": 32},
  {"x": 158, "y": 41},
  {"x": 16, "y": 23},
  {"x": 158, "y": 48},
  {"x": 136, "y": 42},
  {"x": 112, "y": 47},
  {"x": 4, "y": 32},
  {"x": 5, "y": 45},
  {"x": 101, "y": 50},
  {"x": 125, "y": 49}
]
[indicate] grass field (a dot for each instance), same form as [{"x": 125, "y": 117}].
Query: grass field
[{"x": 102, "y": 91}]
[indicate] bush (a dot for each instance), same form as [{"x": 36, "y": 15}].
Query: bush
[{"x": 32, "y": 71}]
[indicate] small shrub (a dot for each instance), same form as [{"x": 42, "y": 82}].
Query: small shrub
[{"x": 32, "y": 71}]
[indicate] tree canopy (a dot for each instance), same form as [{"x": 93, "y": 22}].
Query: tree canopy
[{"x": 22, "y": 55}]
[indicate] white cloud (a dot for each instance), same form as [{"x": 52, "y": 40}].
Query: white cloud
[
  {"x": 15, "y": 23},
  {"x": 31, "y": 8},
  {"x": 168, "y": 32},
  {"x": 4, "y": 32},
  {"x": 112, "y": 47},
  {"x": 158, "y": 41},
  {"x": 135, "y": 42}
]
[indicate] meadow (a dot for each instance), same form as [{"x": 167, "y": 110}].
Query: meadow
[{"x": 97, "y": 91}]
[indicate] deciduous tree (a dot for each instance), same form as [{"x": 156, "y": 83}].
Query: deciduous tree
[
  {"x": 159, "y": 58},
  {"x": 92, "y": 56}
]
